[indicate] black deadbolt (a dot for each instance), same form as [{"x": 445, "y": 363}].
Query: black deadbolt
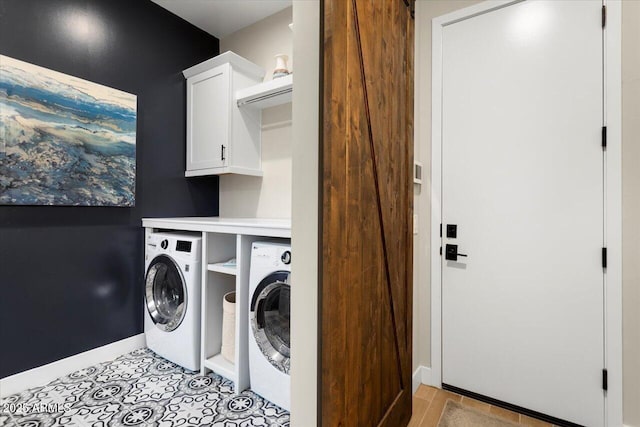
[{"x": 452, "y": 231}]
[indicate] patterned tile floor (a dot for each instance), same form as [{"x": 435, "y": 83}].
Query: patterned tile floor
[{"x": 139, "y": 389}]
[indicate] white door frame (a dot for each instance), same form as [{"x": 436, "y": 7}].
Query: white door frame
[{"x": 613, "y": 203}]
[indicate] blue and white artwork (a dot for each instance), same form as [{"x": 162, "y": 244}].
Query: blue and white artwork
[{"x": 64, "y": 140}]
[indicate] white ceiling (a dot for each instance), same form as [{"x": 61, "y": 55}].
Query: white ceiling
[{"x": 223, "y": 17}]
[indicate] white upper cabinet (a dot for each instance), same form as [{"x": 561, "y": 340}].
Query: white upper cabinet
[{"x": 221, "y": 138}]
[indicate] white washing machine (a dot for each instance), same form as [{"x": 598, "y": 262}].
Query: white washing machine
[
  {"x": 269, "y": 321},
  {"x": 172, "y": 296}
]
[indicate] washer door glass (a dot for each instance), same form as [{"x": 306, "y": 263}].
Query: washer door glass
[
  {"x": 165, "y": 293},
  {"x": 270, "y": 318}
]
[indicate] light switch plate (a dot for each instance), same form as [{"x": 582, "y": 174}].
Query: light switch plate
[{"x": 417, "y": 172}]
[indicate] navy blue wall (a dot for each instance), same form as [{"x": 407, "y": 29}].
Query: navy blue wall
[{"x": 71, "y": 277}]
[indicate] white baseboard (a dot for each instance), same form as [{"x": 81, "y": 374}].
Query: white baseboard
[
  {"x": 416, "y": 380},
  {"x": 422, "y": 375},
  {"x": 44, "y": 374}
]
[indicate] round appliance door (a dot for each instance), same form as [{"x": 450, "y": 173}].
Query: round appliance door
[
  {"x": 270, "y": 318},
  {"x": 165, "y": 293}
]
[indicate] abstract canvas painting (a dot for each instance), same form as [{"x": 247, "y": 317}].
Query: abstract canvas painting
[{"x": 64, "y": 140}]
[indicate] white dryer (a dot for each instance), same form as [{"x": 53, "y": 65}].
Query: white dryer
[
  {"x": 172, "y": 296},
  {"x": 269, "y": 321}
]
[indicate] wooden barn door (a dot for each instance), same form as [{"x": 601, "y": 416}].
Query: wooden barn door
[{"x": 367, "y": 212}]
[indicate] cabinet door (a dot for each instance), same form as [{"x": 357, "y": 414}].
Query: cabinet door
[{"x": 208, "y": 119}]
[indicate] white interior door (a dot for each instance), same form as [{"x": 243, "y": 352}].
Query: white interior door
[{"x": 522, "y": 178}]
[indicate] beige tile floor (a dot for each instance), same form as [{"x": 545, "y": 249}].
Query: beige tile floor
[{"x": 428, "y": 403}]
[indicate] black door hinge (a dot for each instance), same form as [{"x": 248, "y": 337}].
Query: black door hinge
[
  {"x": 440, "y": 250},
  {"x": 604, "y": 257},
  {"x": 604, "y": 137},
  {"x": 605, "y": 380},
  {"x": 440, "y": 230},
  {"x": 604, "y": 16}
]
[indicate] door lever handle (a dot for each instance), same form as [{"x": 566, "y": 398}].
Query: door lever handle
[{"x": 451, "y": 253}]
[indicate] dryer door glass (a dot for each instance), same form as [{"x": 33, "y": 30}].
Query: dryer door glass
[
  {"x": 270, "y": 318},
  {"x": 165, "y": 293}
]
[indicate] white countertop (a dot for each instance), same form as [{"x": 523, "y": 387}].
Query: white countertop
[{"x": 249, "y": 226}]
